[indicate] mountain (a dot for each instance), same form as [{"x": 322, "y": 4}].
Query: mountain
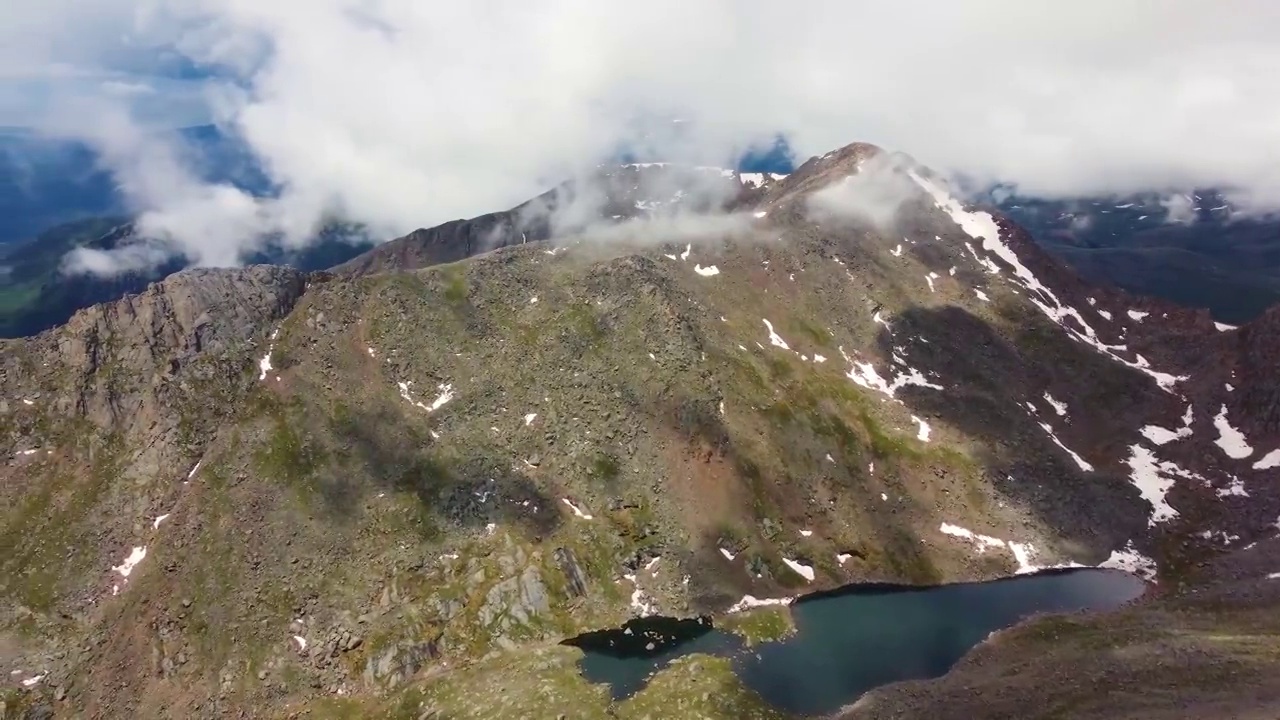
[
  {"x": 391, "y": 489},
  {"x": 37, "y": 292},
  {"x": 1204, "y": 258}
]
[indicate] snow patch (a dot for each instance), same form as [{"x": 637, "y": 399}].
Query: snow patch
[
  {"x": 923, "y": 434},
  {"x": 1130, "y": 560},
  {"x": 264, "y": 366},
  {"x": 576, "y": 510},
  {"x": 528, "y": 419},
  {"x": 842, "y": 558},
  {"x": 1058, "y": 407},
  {"x": 1231, "y": 440},
  {"x": 1223, "y": 327},
  {"x": 1235, "y": 487},
  {"x": 159, "y": 519},
  {"x": 302, "y": 642},
  {"x": 896, "y": 252},
  {"x": 929, "y": 279},
  {"x": 688, "y": 248},
  {"x": 1268, "y": 461},
  {"x": 1084, "y": 465},
  {"x": 125, "y": 568},
  {"x": 1154, "y": 479},
  {"x": 804, "y": 571},
  {"x": 866, "y": 375},
  {"x": 706, "y": 271},
  {"x": 981, "y": 541},
  {"x": 749, "y": 601},
  {"x": 774, "y": 338},
  {"x": 446, "y": 394},
  {"x": 1164, "y": 436},
  {"x": 981, "y": 295},
  {"x": 642, "y": 604},
  {"x": 31, "y": 681},
  {"x": 1105, "y": 315},
  {"x": 1136, "y": 315},
  {"x": 727, "y": 555}
]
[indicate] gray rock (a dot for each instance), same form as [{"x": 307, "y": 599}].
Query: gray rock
[{"x": 568, "y": 563}]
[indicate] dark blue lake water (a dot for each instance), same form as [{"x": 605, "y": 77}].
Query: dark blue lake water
[{"x": 854, "y": 639}]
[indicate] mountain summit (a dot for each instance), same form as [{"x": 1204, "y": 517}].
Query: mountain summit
[{"x": 388, "y": 489}]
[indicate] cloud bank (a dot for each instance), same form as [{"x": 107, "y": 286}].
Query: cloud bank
[{"x": 407, "y": 113}]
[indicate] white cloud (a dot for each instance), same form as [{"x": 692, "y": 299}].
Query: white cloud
[
  {"x": 406, "y": 113},
  {"x": 1179, "y": 208},
  {"x": 872, "y": 195},
  {"x": 129, "y": 258}
]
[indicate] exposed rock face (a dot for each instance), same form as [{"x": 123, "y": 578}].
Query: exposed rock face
[
  {"x": 572, "y": 571},
  {"x": 460, "y": 462}
]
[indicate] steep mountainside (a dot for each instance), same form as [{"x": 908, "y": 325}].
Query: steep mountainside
[{"x": 390, "y": 489}]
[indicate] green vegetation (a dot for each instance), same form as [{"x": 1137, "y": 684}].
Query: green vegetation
[
  {"x": 583, "y": 320},
  {"x": 49, "y": 521},
  {"x": 760, "y": 625},
  {"x": 819, "y": 335},
  {"x": 286, "y": 456},
  {"x": 456, "y": 288},
  {"x": 606, "y": 467}
]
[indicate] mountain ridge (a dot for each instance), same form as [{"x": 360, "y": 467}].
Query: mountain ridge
[{"x": 411, "y": 466}]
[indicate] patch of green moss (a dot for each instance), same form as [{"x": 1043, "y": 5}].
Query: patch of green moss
[
  {"x": 697, "y": 686},
  {"x": 48, "y": 523},
  {"x": 533, "y": 683},
  {"x": 456, "y": 288},
  {"x": 885, "y": 445},
  {"x": 582, "y": 319},
  {"x": 761, "y": 625},
  {"x": 286, "y": 456},
  {"x": 605, "y": 467},
  {"x": 819, "y": 335}
]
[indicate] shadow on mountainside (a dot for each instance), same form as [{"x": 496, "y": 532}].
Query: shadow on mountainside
[
  {"x": 345, "y": 455},
  {"x": 989, "y": 382}
]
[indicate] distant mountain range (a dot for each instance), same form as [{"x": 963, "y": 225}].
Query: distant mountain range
[{"x": 1210, "y": 260}]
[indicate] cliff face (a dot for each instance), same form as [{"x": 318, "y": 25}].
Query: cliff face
[{"x": 257, "y": 492}]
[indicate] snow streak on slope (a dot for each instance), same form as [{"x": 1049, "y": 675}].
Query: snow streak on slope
[
  {"x": 981, "y": 226},
  {"x": 1162, "y": 436},
  {"x": 1231, "y": 440},
  {"x": 1154, "y": 478},
  {"x": 1268, "y": 461}
]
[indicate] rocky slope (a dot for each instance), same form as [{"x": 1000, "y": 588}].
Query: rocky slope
[{"x": 372, "y": 491}]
